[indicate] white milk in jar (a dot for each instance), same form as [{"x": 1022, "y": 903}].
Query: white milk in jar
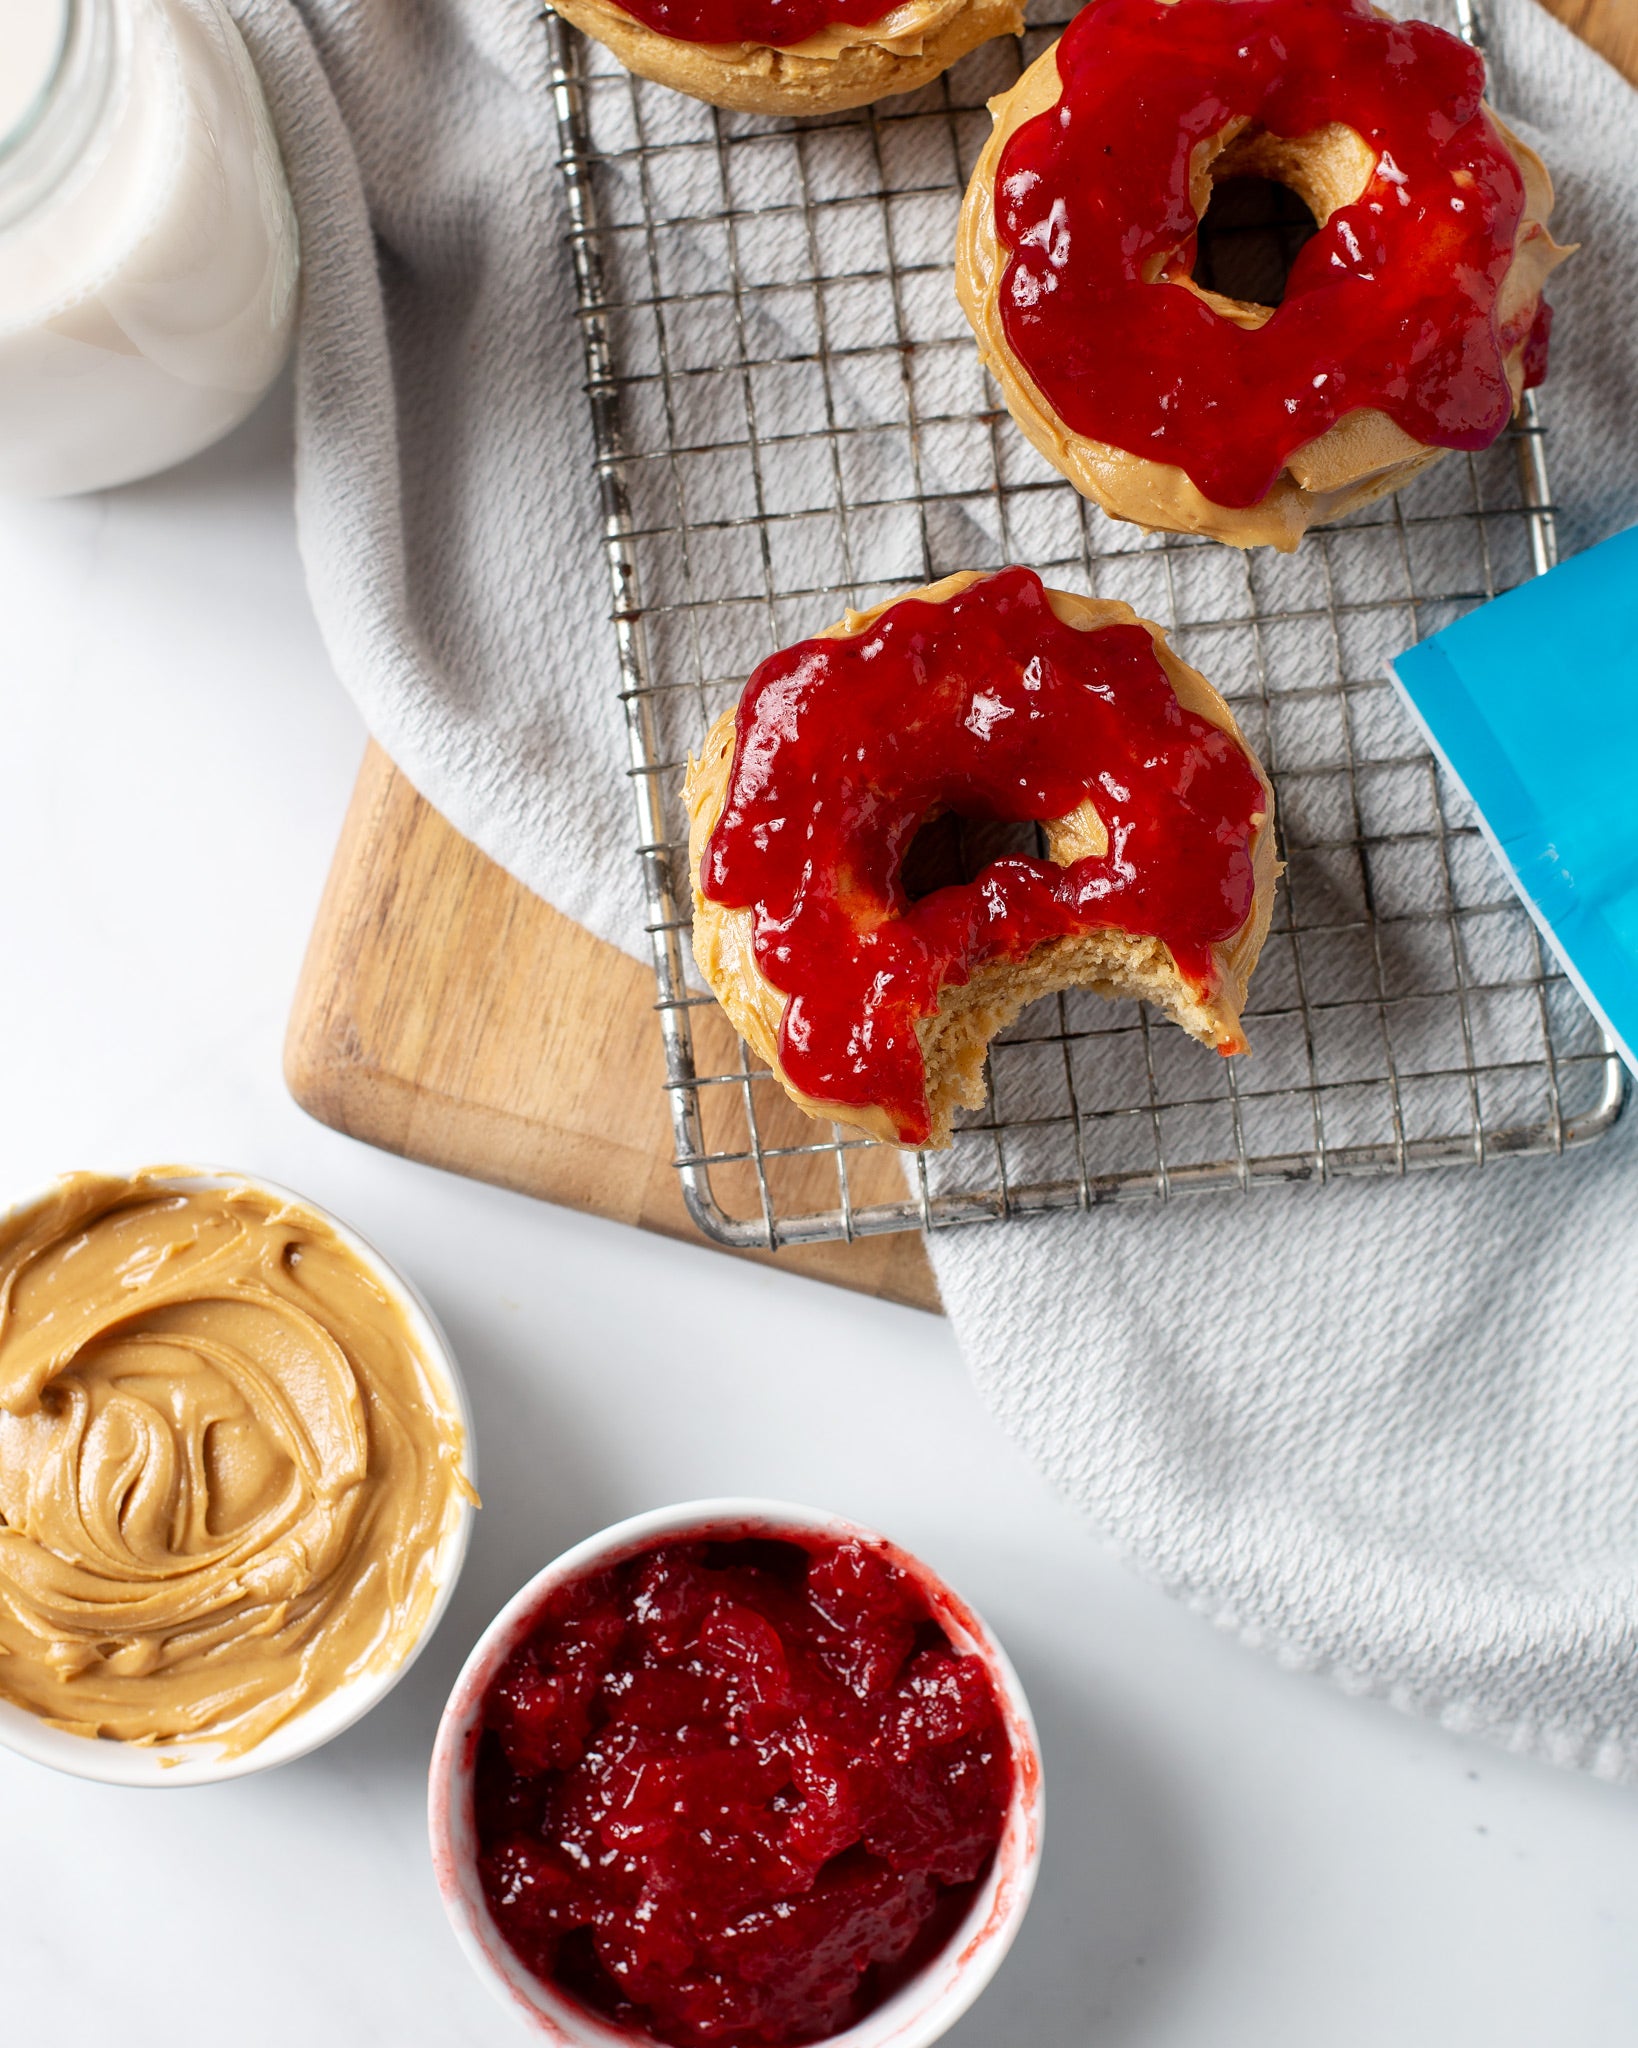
[{"x": 147, "y": 242}]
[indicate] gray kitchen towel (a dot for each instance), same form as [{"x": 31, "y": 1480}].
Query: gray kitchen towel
[
  {"x": 1389, "y": 1431},
  {"x": 445, "y": 492}
]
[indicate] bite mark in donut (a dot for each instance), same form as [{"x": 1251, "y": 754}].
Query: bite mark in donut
[
  {"x": 1405, "y": 327},
  {"x": 997, "y": 699}
]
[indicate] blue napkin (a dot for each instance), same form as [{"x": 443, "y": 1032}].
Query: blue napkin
[{"x": 1530, "y": 703}]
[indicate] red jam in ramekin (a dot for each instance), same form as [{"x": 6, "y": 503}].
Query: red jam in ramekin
[{"x": 737, "y": 1791}]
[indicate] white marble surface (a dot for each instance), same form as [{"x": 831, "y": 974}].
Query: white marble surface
[{"x": 1236, "y": 1858}]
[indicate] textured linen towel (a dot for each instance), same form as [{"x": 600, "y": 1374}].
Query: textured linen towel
[{"x": 1388, "y": 1431}]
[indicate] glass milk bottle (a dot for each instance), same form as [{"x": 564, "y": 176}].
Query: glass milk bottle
[{"x": 147, "y": 242}]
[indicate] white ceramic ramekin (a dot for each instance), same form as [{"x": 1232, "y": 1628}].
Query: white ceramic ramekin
[
  {"x": 920, "y": 2010},
  {"x": 201, "y": 1762}
]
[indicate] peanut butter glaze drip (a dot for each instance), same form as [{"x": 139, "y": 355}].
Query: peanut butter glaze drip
[{"x": 225, "y": 1470}]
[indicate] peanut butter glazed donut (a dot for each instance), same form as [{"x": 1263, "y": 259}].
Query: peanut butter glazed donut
[
  {"x": 791, "y": 56},
  {"x": 1410, "y": 324},
  {"x": 997, "y": 699}
]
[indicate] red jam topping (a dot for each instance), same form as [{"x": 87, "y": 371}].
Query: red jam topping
[
  {"x": 987, "y": 705},
  {"x": 1535, "y": 346},
  {"x": 1392, "y": 303},
  {"x": 737, "y": 1791},
  {"x": 777, "y": 22}
]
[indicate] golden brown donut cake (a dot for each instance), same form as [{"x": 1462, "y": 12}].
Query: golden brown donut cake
[
  {"x": 1157, "y": 817},
  {"x": 839, "y": 65},
  {"x": 1357, "y": 452}
]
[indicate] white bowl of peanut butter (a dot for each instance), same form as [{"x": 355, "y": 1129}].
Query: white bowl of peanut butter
[{"x": 235, "y": 1476}]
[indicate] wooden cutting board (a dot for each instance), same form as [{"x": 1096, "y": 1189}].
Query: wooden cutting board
[{"x": 447, "y": 1014}]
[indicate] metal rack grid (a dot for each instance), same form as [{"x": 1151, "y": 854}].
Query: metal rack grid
[{"x": 790, "y": 418}]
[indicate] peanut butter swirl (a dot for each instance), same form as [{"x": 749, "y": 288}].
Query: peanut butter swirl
[{"x": 226, "y": 1470}]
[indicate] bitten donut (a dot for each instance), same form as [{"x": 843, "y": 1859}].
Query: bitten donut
[
  {"x": 997, "y": 699},
  {"x": 1411, "y": 321},
  {"x": 792, "y": 56}
]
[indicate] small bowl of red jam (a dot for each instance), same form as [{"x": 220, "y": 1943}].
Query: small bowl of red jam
[{"x": 736, "y": 1775}]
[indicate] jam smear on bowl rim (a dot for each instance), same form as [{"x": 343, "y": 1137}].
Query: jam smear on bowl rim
[
  {"x": 737, "y": 1788},
  {"x": 988, "y": 705},
  {"x": 1391, "y": 305}
]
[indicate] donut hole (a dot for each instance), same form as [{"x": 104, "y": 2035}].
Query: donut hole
[
  {"x": 949, "y": 849},
  {"x": 1258, "y": 199},
  {"x": 1249, "y": 237}
]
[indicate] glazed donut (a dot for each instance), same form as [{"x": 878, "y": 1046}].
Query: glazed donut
[
  {"x": 791, "y": 56},
  {"x": 994, "y": 698},
  {"x": 1410, "y": 324}
]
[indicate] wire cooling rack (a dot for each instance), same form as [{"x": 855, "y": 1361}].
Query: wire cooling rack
[{"x": 790, "y": 418}]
